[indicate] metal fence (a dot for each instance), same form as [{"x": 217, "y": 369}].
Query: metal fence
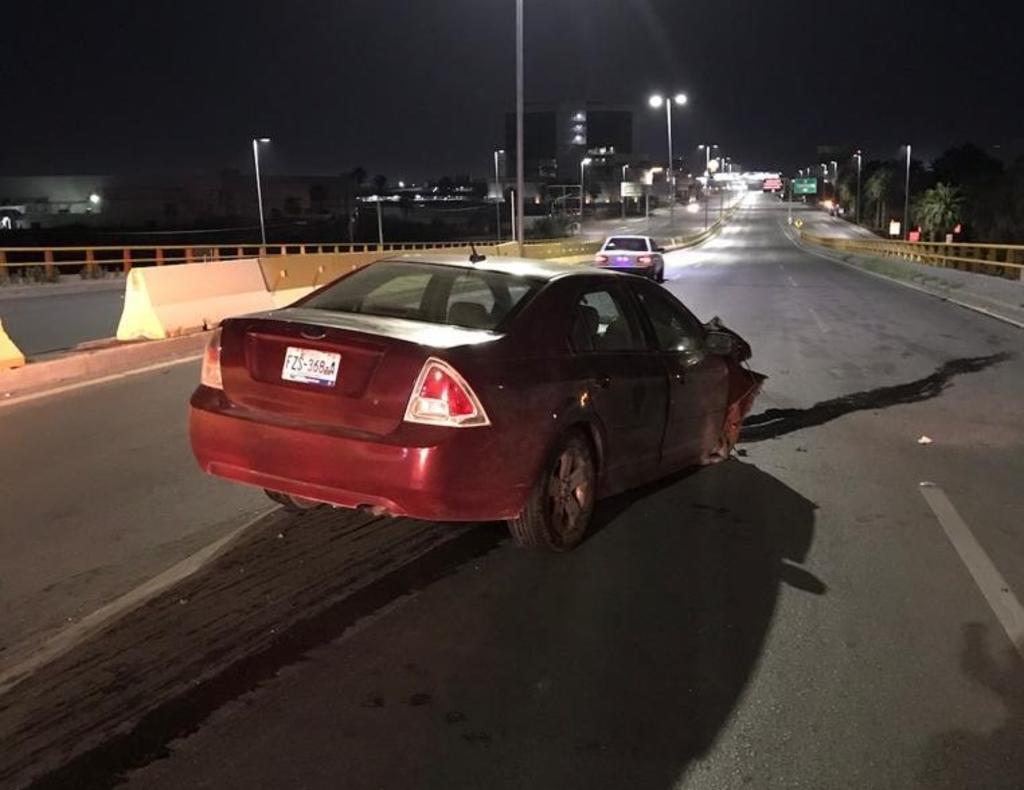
[{"x": 996, "y": 260}]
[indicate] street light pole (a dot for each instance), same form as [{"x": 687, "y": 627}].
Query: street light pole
[
  {"x": 583, "y": 163},
  {"x": 656, "y": 101},
  {"x": 259, "y": 187},
  {"x": 498, "y": 196},
  {"x": 380, "y": 225},
  {"x": 906, "y": 199},
  {"x": 622, "y": 195},
  {"x": 520, "y": 172},
  {"x": 860, "y": 157}
]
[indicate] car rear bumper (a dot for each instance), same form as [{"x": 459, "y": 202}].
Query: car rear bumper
[
  {"x": 647, "y": 270},
  {"x": 457, "y": 474}
]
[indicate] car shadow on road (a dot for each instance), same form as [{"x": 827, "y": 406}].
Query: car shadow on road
[
  {"x": 960, "y": 758},
  {"x": 617, "y": 665},
  {"x": 773, "y": 423}
]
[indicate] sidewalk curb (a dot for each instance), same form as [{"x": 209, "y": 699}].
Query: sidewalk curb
[
  {"x": 921, "y": 289},
  {"x": 78, "y": 368}
]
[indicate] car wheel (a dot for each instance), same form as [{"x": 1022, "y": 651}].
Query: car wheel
[
  {"x": 659, "y": 275},
  {"x": 558, "y": 511},
  {"x": 293, "y": 504}
]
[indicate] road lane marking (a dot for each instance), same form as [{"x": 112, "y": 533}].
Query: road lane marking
[
  {"x": 993, "y": 586},
  {"x": 4, "y": 401},
  {"x": 792, "y": 282},
  {"x": 817, "y": 319},
  {"x": 68, "y": 638}
]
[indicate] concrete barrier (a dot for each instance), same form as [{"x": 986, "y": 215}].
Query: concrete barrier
[
  {"x": 166, "y": 301},
  {"x": 10, "y": 354}
]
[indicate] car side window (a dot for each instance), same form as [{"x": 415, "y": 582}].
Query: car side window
[
  {"x": 675, "y": 327},
  {"x": 601, "y": 322}
]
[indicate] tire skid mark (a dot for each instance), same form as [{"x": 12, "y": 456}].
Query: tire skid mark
[{"x": 289, "y": 572}]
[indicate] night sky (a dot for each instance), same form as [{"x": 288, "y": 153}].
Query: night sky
[{"x": 418, "y": 88}]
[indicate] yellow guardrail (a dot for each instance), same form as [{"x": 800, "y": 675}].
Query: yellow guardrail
[
  {"x": 329, "y": 258},
  {"x": 92, "y": 260},
  {"x": 997, "y": 260}
]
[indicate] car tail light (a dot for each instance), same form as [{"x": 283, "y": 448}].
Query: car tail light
[
  {"x": 442, "y": 397},
  {"x": 645, "y": 259},
  {"x": 602, "y": 259},
  {"x": 210, "y": 377}
]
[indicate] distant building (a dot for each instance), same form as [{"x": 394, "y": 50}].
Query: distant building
[
  {"x": 162, "y": 202},
  {"x": 556, "y": 137}
]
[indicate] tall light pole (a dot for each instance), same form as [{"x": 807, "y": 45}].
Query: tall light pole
[
  {"x": 520, "y": 172},
  {"x": 906, "y": 199},
  {"x": 583, "y": 164},
  {"x": 656, "y": 101},
  {"x": 622, "y": 194},
  {"x": 707, "y": 177},
  {"x": 259, "y": 187},
  {"x": 498, "y": 196},
  {"x": 860, "y": 158}
]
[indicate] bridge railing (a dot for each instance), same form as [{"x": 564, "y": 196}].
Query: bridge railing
[
  {"x": 47, "y": 262},
  {"x": 996, "y": 260}
]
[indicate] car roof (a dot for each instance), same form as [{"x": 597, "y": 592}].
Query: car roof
[
  {"x": 522, "y": 267},
  {"x": 626, "y": 236}
]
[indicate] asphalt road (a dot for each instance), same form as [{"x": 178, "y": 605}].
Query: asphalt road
[
  {"x": 661, "y": 223},
  {"x": 795, "y": 617},
  {"x": 54, "y": 321}
]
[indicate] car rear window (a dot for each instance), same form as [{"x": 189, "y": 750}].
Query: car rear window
[
  {"x": 626, "y": 244},
  {"x": 433, "y": 293}
]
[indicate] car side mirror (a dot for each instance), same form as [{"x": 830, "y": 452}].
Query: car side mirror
[
  {"x": 659, "y": 249},
  {"x": 721, "y": 343}
]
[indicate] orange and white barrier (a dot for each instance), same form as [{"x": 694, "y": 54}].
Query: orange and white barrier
[
  {"x": 10, "y": 354},
  {"x": 165, "y": 301}
]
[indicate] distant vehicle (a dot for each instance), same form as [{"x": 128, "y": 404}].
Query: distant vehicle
[
  {"x": 440, "y": 389},
  {"x": 637, "y": 254}
]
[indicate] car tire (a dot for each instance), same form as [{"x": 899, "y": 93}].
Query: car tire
[
  {"x": 659, "y": 274},
  {"x": 561, "y": 504},
  {"x": 293, "y": 504}
]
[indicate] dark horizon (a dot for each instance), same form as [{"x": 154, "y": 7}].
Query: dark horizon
[{"x": 412, "y": 92}]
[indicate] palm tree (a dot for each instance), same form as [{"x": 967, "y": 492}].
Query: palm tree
[
  {"x": 939, "y": 209},
  {"x": 879, "y": 190}
]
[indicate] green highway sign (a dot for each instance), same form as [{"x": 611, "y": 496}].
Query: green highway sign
[{"x": 805, "y": 186}]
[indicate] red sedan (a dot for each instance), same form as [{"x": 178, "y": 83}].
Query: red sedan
[{"x": 451, "y": 389}]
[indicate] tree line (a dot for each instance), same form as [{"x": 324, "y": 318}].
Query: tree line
[{"x": 965, "y": 186}]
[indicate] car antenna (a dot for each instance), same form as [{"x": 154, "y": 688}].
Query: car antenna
[{"x": 474, "y": 256}]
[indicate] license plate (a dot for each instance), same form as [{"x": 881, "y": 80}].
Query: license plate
[{"x": 311, "y": 367}]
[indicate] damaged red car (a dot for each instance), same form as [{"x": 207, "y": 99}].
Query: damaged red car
[{"x": 455, "y": 389}]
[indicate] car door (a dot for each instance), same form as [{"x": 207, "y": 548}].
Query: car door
[
  {"x": 698, "y": 382},
  {"x": 626, "y": 382}
]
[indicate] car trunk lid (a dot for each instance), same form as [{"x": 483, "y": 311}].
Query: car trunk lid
[{"x": 378, "y": 360}]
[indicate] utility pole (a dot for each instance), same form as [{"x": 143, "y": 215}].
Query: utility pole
[
  {"x": 520, "y": 171},
  {"x": 906, "y": 199}
]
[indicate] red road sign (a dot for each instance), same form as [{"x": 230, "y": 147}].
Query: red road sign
[{"x": 772, "y": 184}]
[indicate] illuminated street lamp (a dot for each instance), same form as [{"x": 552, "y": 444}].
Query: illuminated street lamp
[
  {"x": 906, "y": 198},
  {"x": 259, "y": 188},
  {"x": 622, "y": 190},
  {"x": 583, "y": 164},
  {"x": 497, "y": 198},
  {"x": 656, "y": 101},
  {"x": 707, "y": 156},
  {"x": 95, "y": 199},
  {"x": 859, "y": 157}
]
